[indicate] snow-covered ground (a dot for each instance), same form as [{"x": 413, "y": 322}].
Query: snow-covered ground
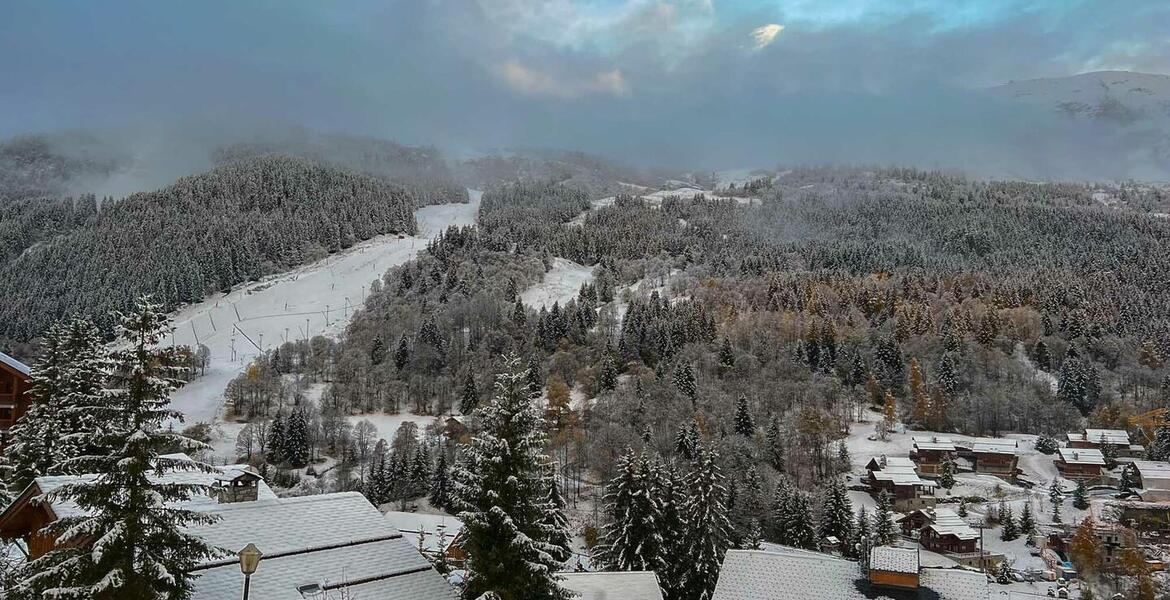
[
  {"x": 315, "y": 299},
  {"x": 686, "y": 193},
  {"x": 560, "y": 284}
]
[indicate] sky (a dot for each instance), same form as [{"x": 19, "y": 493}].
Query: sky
[{"x": 687, "y": 82}]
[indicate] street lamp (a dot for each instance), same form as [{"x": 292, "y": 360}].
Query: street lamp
[{"x": 249, "y": 560}]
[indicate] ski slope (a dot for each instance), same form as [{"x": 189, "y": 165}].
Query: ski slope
[
  {"x": 315, "y": 299},
  {"x": 559, "y": 285}
]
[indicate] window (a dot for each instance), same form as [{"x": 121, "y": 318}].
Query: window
[{"x": 5, "y": 413}]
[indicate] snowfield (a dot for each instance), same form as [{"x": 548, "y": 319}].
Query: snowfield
[
  {"x": 655, "y": 199},
  {"x": 560, "y": 284},
  {"x": 315, "y": 299}
]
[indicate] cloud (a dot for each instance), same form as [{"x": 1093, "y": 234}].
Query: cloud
[
  {"x": 527, "y": 80},
  {"x": 765, "y": 35}
]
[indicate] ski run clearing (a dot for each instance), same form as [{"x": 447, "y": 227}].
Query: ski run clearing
[
  {"x": 315, "y": 299},
  {"x": 561, "y": 283}
]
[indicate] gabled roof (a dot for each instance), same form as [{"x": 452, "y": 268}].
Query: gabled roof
[
  {"x": 328, "y": 540},
  {"x": 411, "y": 525},
  {"x": 1117, "y": 437},
  {"x": 758, "y": 575},
  {"x": 899, "y": 470},
  {"x": 895, "y": 560},
  {"x": 933, "y": 442},
  {"x": 613, "y": 585},
  {"x": 15, "y": 365},
  {"x": 1082, "y": 456},
  {"x": 947, "y": 522},
  {"x": 994, "y": 446}
]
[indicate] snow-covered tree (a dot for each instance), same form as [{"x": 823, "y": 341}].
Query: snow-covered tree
[
  {"x": 798, "y": 522},
  {"x": 607, "y": 375},
  {"x": 32, "y": 448},
  {"x": 554, "y": 521},
  {"x": 837, "y": 512},
  {"x": 470, "y": 397},
  {"x": 726, "y": 355},
  {"x": 745, "y": 425},
  {"x": 1027, "y": 522},
  {"x": 127, "y": 539},
  {"x": 1160, "y": 446},
  {"x": 296, "y": 439},
  {"x": 684, "y": 380},
  {"x": 440, "y": 495},
  {"x": 885, "y": 532},
  {"x": 501, "y": 492},
  {"x": 631, "y": 539},
  {"x": 946, "y": 476},
  {"x": 1007, "y": 522},
  {"x": 1080, "y": 496},
  {"x": 1056, "y": 497},
  {"x": 707, "y": 530}
]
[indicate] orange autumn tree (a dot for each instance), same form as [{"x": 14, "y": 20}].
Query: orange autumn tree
[
  {"x": 1085, "y": 549},
  {"x": 922, "y": 409}
]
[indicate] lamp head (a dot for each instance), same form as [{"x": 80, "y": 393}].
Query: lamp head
[{"x": 250, "y": 559}]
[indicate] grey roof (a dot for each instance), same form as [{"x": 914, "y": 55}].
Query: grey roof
[
  {"x": 1082, "y": 456},
  {"x": 757, "y": 575},
  {"x": 329, "y": 540},
  {"x": 896, "y": 560},
  {"x": 14, "y": 364},
  {"x": 615, "y": 585},
  {"x": 933, "y": 442},
  {"x": 438, "y": 531},
  {"x": 1118, "y": 437}
]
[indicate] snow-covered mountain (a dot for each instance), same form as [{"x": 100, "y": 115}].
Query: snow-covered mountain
[{"x": 1120, "y": 97}]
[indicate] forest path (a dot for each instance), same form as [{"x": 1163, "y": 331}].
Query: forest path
[{"x": 314, "y": 299}]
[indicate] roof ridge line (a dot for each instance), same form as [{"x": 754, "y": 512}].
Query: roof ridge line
[{"x": 224, "y": 562}]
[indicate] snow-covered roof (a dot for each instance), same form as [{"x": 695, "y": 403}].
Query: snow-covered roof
[
  {"x": 1155, "y": 474},
  {"x": 1082, "y": 456},
  {"x": 933, "y": 442},
  {"x": 899, "y": 470},
  {"x": 758, "y": 575},
  {"x": 994, "y": 446},
  {"x": 14, "y": 364},
  {"x": 947, "y": 522},
  {"x": 328, "y": 540},
  {"x": 896, "y": 560},
  {"x": 412, "y": 524},
  {"x": 64, "y": 508},
  {"x": 1115, "y": 437},
  {"x": 614, "y": 585}
]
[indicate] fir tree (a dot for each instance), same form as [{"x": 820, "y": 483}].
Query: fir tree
[
  {"x": 501, "y": 490},
  {"x": 1080, "y": 496},
  {"x": 745, "y": 425},
  {"x": 798, "y": 522},
  {"x": 962, "y": 507},
  {"x": 1128, "y": 479},
  {"x": 1160, "y": 446},
  {"x": 726, "y": 355},
  {"x": 837, "y": 513},
  {"x": 33, "y": 442},
  {"x": 1007, "y": 521},
  {"x": 1056, "y": 497},
  {"x": 554, "y": 521},
  {"x": 885, "y": 532},
  {"x": 128, "y": 540},
  {"x": 946, "y": 476},
  {"x": 440, "y": 496},
  {"x": 775, "y": 450},
  {"x": 607, "y": 375},
  {"x": 275, "y": 444},
  {"x": 684, "y": 380},
  {"x": 377, "y": 352},
  {"x": 1027, "y": 524},
  {"x": 631, "y": 540},
  {"x": 862, "y": 534},
  {"x": 707, "y": 531},
  {"x": 1046, "y": 444},
  {"x": 670, "y": 494},
  {"x": 402, "y": 354},
  {"x": 295, "y": 449},
  {"x": 470, "y": 398}
]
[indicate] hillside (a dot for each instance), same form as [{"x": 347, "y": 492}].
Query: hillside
[
  {"x": 204, "y": 233},
  {"x": 1118, "y": 97}
]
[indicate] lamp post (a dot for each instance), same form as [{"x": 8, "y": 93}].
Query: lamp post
[{"x": 249, "y": 560}]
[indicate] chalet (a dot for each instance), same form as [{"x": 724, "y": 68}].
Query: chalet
[
  {"x": 941, "y": 530},
  {"x": 994, "y": 456},
  {"x": 894, "y": 573},
  {"x": 14, "y": 392},
  {"x": 433, "y": 535},
  {"x": 312, "y": 545},
  {"x": 928, "y": 452},
  {"x": 1080, "y": 463},
  {"x": 1151, "y": 520},
  {"x": 1151, "y": 479},
  {"x": 455, "y": 427},
  {"x": 1115, "y": 439},
  {"x": 614, "y": 585},
  {"x": 898, "y": 476}
]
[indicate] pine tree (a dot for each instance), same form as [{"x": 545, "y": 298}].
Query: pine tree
[
  {"x": 470, "y": 398},
  {"x": 726, "y": 355},
  {"x": 1007, "y": 521},
  {"x": 1027, "y": 525},
  {"x": 607, "y": 375},
  {"x": 296, "y": 439},
  {"x": 32, "y": 448},
  {"x": 420, "y": 472},
  {"x": 707, "y": 532},
  {"x": 85, "y": 374},
  {"x": 1081, "y": 496},
  {"x": 377, "y": 352},
  {"x": 745, "y": 425},
  {"x": 946, "y": 476},
  {"x": 670, "y": 493},
  {"x": 862, "y": 534},
  {"x": 775, "y": 451},
  {"x": 402, "y": 354},
  {"x": 962, "y": 507},
  {"x": 554, "y": 522},
  {"x": 501, "y": 485},
  {"x": 128, "y": 540},
  {"x": 631, "y": 540},
  {"x": 275, "y": 446},
  {"x": 837, "y": 513},
  {"x": 885, "y": 532},
  {"x": 1160, "y": 446},
  {"x": 798, "y": 522},
  {"x": 1056, "y": 497},
  {"x": 684, "y": 380},
  {"x": 440, "y": 496},
  {"x": 1128, "y": 479}
]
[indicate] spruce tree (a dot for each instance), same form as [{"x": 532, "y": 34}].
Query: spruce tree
[
  {"x": 32, "y": 448},
  {"x": 631, "y": 540},
  {"x": 726, "y": 355},
  {"x": 84, "y": 373},
  {"x": 554, "y": 521},
  {"x": 684, "y": 381},
  {"x": 1007, "y": 521},
  {"x": 296, "y": 439},
  {"x": 127, "y": 539},
  {"x": 946, "y": 476},
  {"x": 1081, "y": 496},
  {"x": 501, "y": 492},
  {"x": 885, "y": 532},
  {"x": 470, "y": 398},
  {"x": 1056, "y": 497},
  {"x": 1160, "y": 446},
  {"x": 745, "y": 425},
  {"x": 607, "y": 375},
  {"x": 274, "y": 449},
  {"x": 670, "y": 494},
  {"x": 707, "y": 530},
  {"x": 775, "y": 449},
  {"x": 798, "y": 524},
  {"x": 837, "y": 512},
  {"x": 440, "y": 495},
  {"x": 1128, "y": 479},
  {"x": 1027, "y": 524},
  {"x": 402, "y": 354}
]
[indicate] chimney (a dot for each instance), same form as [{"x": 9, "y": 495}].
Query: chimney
[{"x": 237, "y": 486}]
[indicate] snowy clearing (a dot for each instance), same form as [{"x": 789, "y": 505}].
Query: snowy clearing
[
  {"x": 315, "y": 299},
  {"x": 686, "y": 193},
  {"x": 560, "y": 284}
]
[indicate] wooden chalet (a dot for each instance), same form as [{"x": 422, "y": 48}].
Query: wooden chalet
[
  {"x": 1116, "y": 439},
  {"x": 898, "y": 476},
  {"x": 1152, "y": 479},
  {"x": 14, "y": 393},
  {"x": 993, "y": 456},
  {"x": 941, "y": 530},
  {"x": 1151, "y": 520},
  {"x": 894, "y": 567},
  {"x": 1080, "y": 464},
  {"x": 928, "y": 452}
]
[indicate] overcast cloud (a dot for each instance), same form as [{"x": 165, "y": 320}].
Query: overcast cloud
[{"x": 708, "y": 83}]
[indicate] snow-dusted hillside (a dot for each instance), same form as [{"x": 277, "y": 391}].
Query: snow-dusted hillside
[
  {"x": 1122, "y": 97},
  {"x": 560, "y": 284},
  {"x": 315, "y": 299}
]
